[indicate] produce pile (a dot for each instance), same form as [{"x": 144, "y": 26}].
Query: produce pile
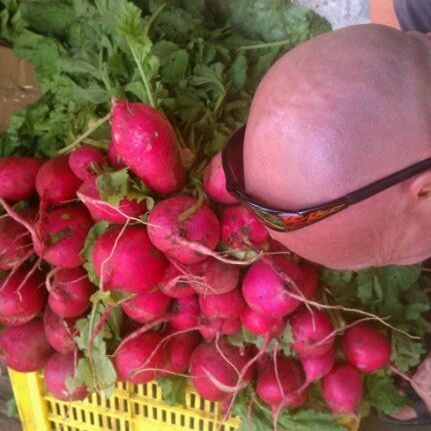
[{"x": 124, "y": 258}]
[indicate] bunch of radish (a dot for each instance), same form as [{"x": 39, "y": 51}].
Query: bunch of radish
[{"x": 187, "y": 295}]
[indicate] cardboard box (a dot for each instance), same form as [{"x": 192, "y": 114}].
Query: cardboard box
[{"x": 17, "y": 85}]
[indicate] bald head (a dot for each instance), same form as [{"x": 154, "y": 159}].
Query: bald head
[{"x": 334, "y": 114}]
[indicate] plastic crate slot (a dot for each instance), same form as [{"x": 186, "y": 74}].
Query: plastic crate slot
[
  {"x": 83, "y": 416},
  {"x": 182, "y": 420},
  {"x": 164, "y": 416},
  {"x": 145, "y": 411},
  {"x": 100, "y": 420},
  {"x": 74, "y": 414},
  {"x": 57, "y": 409},
  {"x": 192, "y": 401},
  {"x": 155, "y": 413},
  {"x": 202, "y": 404},
  {"x": 50, "y": 410},
  {"x": 109, "y": 422},
  {"x": 136, "y": 409},
  {"x": 52, "y": 425},
  {"x": 211, "y": 406},
  {"x": 125, "y": 406},
  {"x": 92, "y": 421},
  {"x": 154, "y": 391},
  {"x": 192, "y": 423},
  {"x": 210, "y": 426},
  {"x": 107, "y": 403},
  {"x": 118, "y": 426},
  {"x": 201, "y": 425},
  {"x": 173, "y": 418}
]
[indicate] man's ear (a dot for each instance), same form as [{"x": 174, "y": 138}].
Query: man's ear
[{"x": 421, "y": 186}]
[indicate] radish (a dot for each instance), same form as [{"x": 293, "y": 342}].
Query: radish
[
  {"x": 212, "y": 277},
  {"x": 145, "y": 140},
  {"x": 175, "y": 284},
  {"x": 59, "y": 369},
  {"x": 173, "y": 236},
  {"x": 366, "y": 348},
  {"x": 211, "y": 328},
  {"x": 265, "y": 290},
  {"x": 225, "y": 306},
  {"x": 179, "y": 349},
  {"x": 261, "y": 325},
  {"x": 118, "y": 250},
  {"x": 215, "y": 182},
  {"x": 25, "y": 347},
  {"x": 70, "y": 292},
  {"x": 147, "y": 306},
  {"x": 309, "y": 287},
  {"x": 114, "y": 159},
  {"x": 63, "y": 233},
  {"x": 313, "y": 332},
  {"x": 185, "y": 313},
  {"x": 55, "y": 181},
  {"x": 17, "y": 177},
  {"x": 60, "y": 332},
  {"x": 15, "y": 243},
  {"x": 83, "y": 161},
  {"x": 342, "y": 389},
  {"x": 316, "y": 367},
  {"x": 21, "y": 297},
  {"x": 214, "y": 374},
  {"x": 241, "y": 229},
  {"x": 140, "y": 352},
  {"x": 101, "y": 210},
  {"x": 278, "y": 383}
]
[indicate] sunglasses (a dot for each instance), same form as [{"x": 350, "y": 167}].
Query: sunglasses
[{"x": 290, "y": 220}]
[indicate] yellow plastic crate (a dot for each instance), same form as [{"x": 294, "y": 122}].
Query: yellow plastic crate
[{"x": 131, "y": 408}]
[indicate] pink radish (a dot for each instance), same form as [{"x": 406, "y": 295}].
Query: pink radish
[
  {"x": 366, "y": 348},
  {"x": 214, "y": 374},
  {"x": 261, "y": 325},
  {"x": 58, "y": 371},
  {"x": 25, "y": 347},
  {"x": 84, "y": 159},
  {"x": 316, "y": 367},
  {"x": 282, "y": 391},
  {"x": 267, "y": 292},
  {"x": 114, "y": 159},
  {"x": 140, "y": 352},
  {"x": 212, "y": 277},
  {"x": 211, "y": 328},
  {"x": 70, "y": 293},
  {"x": 185, "y": 313},
  {"x": 63, "y": 233},
  {"x": 226, "y": 305},
  {"x": 60, "y": 332},
  {"x": 17, "y": 177},
  {"x": 101, "y": 210},
  {"x": 55, "y": 181},
  {"x": 175, "y": 284},
  {"x": 215, "y": 182},
  {"x": 309, "y": 288},
  {"x": 20, "y": 299},
  {"x": 313, "y": 332},
  {"x": 145, "y": 140},
  {"x": 179, "y": 349},
  {"x": 15, "y": 243},
  {"x": 147, "y": 306},
  {"x": 171, "y": 234},
  {"x": 241, "y": 229},
  {"x": 342, "y": 389},
  {"x": 120, "y": 249}
]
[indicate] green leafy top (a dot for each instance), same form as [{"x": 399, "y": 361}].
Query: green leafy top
[{"x": 190, "y": 58}]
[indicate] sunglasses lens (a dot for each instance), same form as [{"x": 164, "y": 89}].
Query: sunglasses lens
[{"x": 272, "y": 221}]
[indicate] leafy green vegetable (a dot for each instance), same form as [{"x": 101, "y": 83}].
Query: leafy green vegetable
[
  {"x": 191, "y": 58},
  {"x": 257, "y": 417},
  {"x": 173, "y": 390},
  {"x": 381, "y": 393}
]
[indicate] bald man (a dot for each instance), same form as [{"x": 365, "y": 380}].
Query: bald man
[{"x": 340, "y": 127}]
